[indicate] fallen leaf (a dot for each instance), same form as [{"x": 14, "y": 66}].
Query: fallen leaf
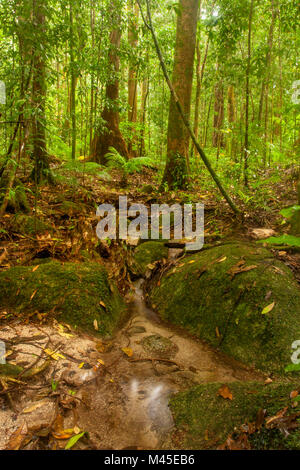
[
  {"x": 102, "y": 304},
  {"x": 54, "y": 355},
  {"x": 268, "y": 309},
  {"x": 225, "y": 393},
  {"x": 61, "y": 332},
  {"x": 18, "y": 437},
  {"x": 34, "y": 407},
  {"x": 64, "y": 434},
  {"x": 71, "y": 443},
  {"x": 128, "y": 352},
  {"x": 96, "y": 325},
  {"x": 35, "y": 268},
  {"x": 33, "y": 294},
  {"x": 268, "y": 381},
  {"x": 294, "y": 394}
]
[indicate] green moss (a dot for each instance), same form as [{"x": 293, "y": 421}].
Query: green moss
[
  {"x": 204, "y": 420},
  {"x": 147, "y": 253},
  {"x": 226, "y": 311},
  {"x": 72, "y": 292},
  {"x": 10, "y": 370},
  {"x": 17, "y": 198},
  {"x": 29, "y": 225}
]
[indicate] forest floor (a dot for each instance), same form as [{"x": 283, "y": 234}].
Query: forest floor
[{"x": 110, "y": 389}]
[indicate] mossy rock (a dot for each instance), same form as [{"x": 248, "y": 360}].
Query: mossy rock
[
  {"x": 201, "y": 295},
  {"x": 10, "y": 370},
  {"x": 204, "y": 419},
  {"x": 158, "y": 346},
  {"x": 18, "y": 200},
  {"x": 146, "y": 254},
  {"x": 29, "y": 225},
  {"x": 72, "y": 292},
  {"x": 148, "y": 189}
]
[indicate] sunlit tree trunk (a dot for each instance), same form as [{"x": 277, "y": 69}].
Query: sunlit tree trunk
[{"x": 176, "y": 171}]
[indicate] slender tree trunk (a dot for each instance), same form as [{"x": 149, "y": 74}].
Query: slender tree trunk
[
  {"x": 73, "y": 84},
  {"x": 109, "y": 134},
  {"x": 39, "y": 90},
  {"x": 145, "y": 92},
  {"x": 218, "y": 137},
  {"x": 265, "y": 82},
  {"x": 176, "y": 171},
  {"x": 132, "y": 75},
  {"x": 232, "y": 120},
  {"x": 248, "y": 70}
]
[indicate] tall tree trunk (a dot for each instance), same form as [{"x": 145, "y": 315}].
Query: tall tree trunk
[
  {"x": 218, "y": 137},
  {"x": 145, "y": 92},
  {"x": 39, "y": 90},
  {"x": 73, "y": 84},
  {"x": 109, "y": 134},
  {"x": 266, "y": 79},
  {"x": 232, "y": 120},
  {"x": 199, "y": 74},
  {"x": 132, "y": 75},
  {"x": 248, "y": 70},
  {"x": 176, "y": 171}
]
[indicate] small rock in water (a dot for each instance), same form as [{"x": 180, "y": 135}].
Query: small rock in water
[
  {"x": 158, "y": 346},
  {"x": 136, "y": 330}
]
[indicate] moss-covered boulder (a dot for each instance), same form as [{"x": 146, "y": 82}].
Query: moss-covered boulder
[
  {"x": 29, "y": 225},
  {"x": 146, "y": 254},
  {"x": 79, "y": 294},
  {"x": 17, "y": 201},
  {"x": 239, "y": 298},
  {"x": 204, "y": 419}
]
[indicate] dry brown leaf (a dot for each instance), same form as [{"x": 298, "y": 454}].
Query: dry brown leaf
[
  {"x": 33, "y": 294},
  {"x": 225, "y": 393},
  {"x": 18, "y": 437},
  {"x": 128, "y": 352}
]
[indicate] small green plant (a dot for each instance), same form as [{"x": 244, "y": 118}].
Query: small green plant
[{"x": 127, "y": 167}]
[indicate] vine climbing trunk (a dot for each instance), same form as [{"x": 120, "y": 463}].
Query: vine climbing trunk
[{"x": 176, "y": 171}]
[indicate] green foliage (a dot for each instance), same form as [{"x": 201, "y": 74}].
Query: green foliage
[
  {"x": 285, "y": 239},
  {"x": 127, "y": 167},
  {"x": 289, "y": 212}
]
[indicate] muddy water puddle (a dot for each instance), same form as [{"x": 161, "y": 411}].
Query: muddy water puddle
[{"x": 121, "y": 394}]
